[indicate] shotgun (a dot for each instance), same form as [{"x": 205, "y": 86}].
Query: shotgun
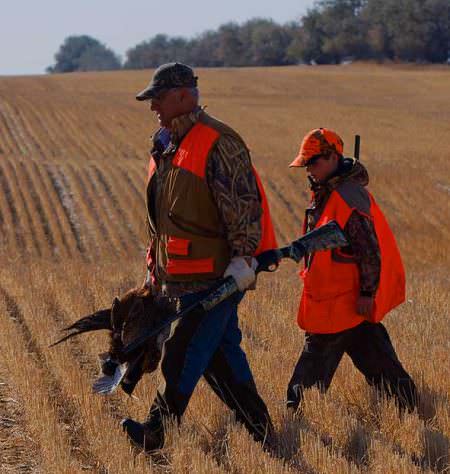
[{"x": 326, "y": 237}]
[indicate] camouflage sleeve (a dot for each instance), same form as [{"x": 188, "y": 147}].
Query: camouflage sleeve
[
  {"x": 233, "y": 186},
  {"x": 363, "y": 240}
]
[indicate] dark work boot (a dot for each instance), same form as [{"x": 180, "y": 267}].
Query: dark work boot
[{"x": 141, "y": 437}]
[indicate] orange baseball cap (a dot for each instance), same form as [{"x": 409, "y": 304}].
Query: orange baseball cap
[{"x": 320, "y": 141}]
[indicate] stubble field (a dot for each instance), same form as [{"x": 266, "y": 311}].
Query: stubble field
[{"x": 72, "y": 236}]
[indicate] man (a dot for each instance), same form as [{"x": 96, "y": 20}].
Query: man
[
  {"x": 207, "y": 218},
  {"x": 347, "y": 292}
]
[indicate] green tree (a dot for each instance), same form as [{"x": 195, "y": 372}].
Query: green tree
[
  {"x": 84, "y": 53},
  {"x": 204, "y": 50},
  {"x": 408, "y": 30},
  {"x": 157, "y": 50},
  {"x": 230, "y": 50},
  {"x": 308, "y": 42},
  {"x": 268, "y": 43},
  {"x": 329, "y": 32},
  {"x": 436, "y": 16}
]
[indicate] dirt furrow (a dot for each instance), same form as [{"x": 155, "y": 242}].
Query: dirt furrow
[
  {"x": 7, "y": 143},
  {"x": 16, "y": 221},
  {"x": 66, "y": 409},
  {"x": 86, "y": 363},
  {"x": 27, "y": 180},
  {"x": 41, "y": 125},
  {"x": 34, "y": 231},
  {"x": 17, "y": 146},
  {"x": 275, "y": 209},
  {"x": 291, "y": 220},
  {"x": 104, "y": 216},
  {"x": 54, "y": 130},
  {"x": 124, "y": 221},
  {"x": 126, "y": 175},
  {"x": 17, "y": 129},
  {"x": 138, "y": 172},
  {"x": 88, "y": 217},
  {"x": 68, "y": 138},
  {"x": 19, "y": 451},
  {"x": 3, "y": 236},
  {"x": 105, "y": 138},
  {"x": 78, "y": 134},
  {"x": 63, "y": 192},
  {"x": 134, "y": 197},
  {"x": 29, "y": 128},
  {"x": 6, "y": 224},
  {"x": 64, "y": 243}
]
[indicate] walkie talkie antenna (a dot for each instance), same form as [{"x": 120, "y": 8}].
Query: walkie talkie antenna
[{"x": 357, "y": 146}]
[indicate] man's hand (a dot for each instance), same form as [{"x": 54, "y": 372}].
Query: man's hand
[
  {"x": 149, "y": 282},
  {"x": 365, "y": 306},
  {"x": 243, "y": 274}
]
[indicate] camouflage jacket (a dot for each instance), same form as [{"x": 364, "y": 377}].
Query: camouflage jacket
[
  {"x": 233, "y": 188},
  {"x": 359, "y": 229}
]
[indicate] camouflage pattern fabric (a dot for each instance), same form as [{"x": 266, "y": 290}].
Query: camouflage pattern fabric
[
  {"x": 233, "y": 187},
  {"x": 168, "y": 76}
]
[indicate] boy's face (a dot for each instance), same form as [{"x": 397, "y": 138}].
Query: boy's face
[{"x": 319, "y": 169}]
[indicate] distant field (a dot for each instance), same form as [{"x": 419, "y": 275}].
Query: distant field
[{"x": 72, "y": 178}]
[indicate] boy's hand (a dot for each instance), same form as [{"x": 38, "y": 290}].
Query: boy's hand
[{"x": 365, "y": 306}]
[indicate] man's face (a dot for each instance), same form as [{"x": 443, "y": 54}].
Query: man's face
[
  {"x": 322, "y": 167},
  {"x": 166, "y": 105}
]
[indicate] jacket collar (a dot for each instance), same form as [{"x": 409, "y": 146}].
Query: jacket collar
[
  {"x": 182, "y": 124},
  {"x": 350, "y": 169}
]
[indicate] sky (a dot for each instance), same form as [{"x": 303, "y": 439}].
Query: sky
[{"x": 31, "y": 31}]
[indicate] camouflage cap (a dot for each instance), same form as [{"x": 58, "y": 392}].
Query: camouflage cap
[
  {"x": 318, "y": 142},
  {"x": 168, "y": 76}
]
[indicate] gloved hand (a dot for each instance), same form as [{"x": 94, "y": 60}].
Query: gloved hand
[{"x": 243, "y": 273}]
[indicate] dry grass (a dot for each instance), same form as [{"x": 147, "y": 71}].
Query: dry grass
[{"x": 72, "y": 177}]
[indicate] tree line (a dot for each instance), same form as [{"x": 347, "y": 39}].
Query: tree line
[{"x": 329, "y": 33}]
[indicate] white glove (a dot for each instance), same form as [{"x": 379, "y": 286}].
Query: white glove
[{"x": 243, "y": 274}]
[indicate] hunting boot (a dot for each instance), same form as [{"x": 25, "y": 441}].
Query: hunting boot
[{"x": 142, "y": 437}]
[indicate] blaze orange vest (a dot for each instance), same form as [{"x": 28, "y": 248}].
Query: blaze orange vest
[
  {"x": 189, "y": 239},
  {"x": 331, "y": 283}
]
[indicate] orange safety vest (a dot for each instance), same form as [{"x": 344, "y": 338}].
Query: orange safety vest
[
  {"x": 183, "y": 254},
  {"x": 331, "y": 283}
]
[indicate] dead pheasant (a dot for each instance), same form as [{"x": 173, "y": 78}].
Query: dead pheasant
[{"x": 137, "y": 311}]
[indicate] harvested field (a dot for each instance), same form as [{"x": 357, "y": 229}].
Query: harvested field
[{"x": 72, "y": 236}]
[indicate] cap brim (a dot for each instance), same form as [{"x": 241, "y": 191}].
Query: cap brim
[
  {"x": 297, "y": 163},
  {"x": 147, "y": 93}
]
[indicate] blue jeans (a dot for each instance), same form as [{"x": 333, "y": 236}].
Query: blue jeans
[{"x": 208, "y": 344}]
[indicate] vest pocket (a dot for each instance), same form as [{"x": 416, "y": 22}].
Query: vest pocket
[
  {"x": 189, "y": 266},
  {"x": 178, "y": 246}
]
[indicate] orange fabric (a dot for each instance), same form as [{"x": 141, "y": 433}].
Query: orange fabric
[
  {"x": 392, "y": 290},
  {"x": 331, "y": 288},
  {"x": 189, "y": 266},
  {"x": 268, "y": 240},
  {"x": 192, "y": 154},
  {"x": 320, "y": 141},
  {"x": 151, "y": 168},
  {"x": 197, "y": 144},
  {"x": 178, "y": 246}
]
